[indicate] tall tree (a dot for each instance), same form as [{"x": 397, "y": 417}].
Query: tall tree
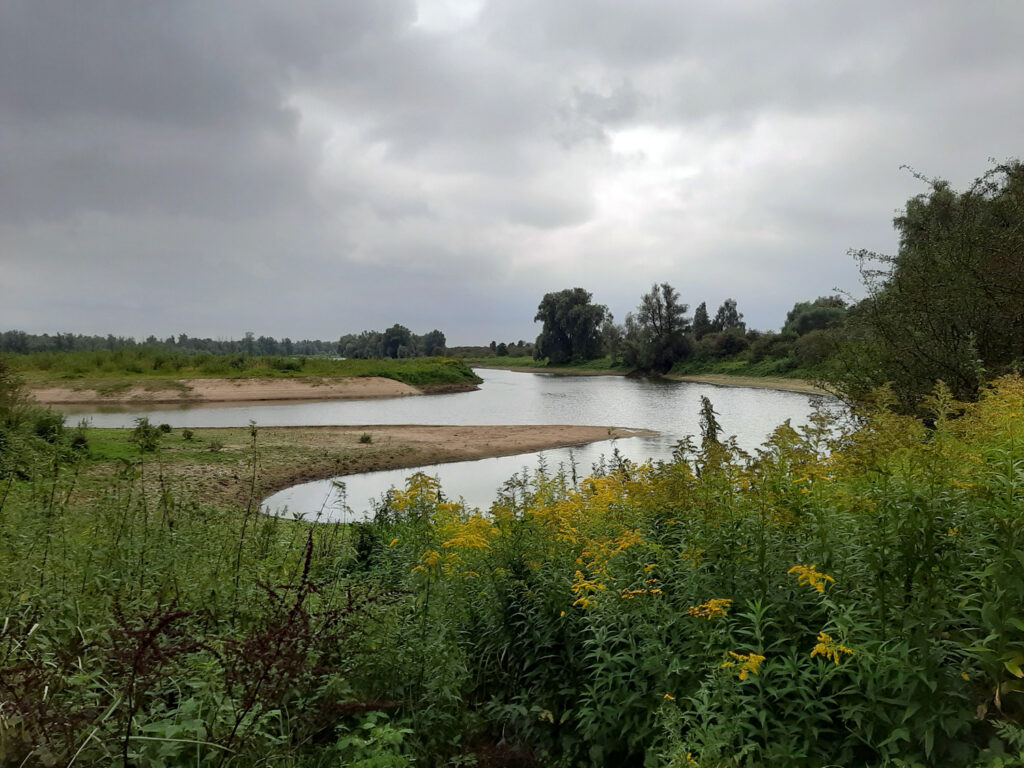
[
  {"x": 397, "y": 341},
  {"x": 823, "y": 312},
  {"x": 571, "y": 326},
  {"x": 656, "y": 335},
  {"x": 432, "y": 344},
  {"x": 701, "y": 321},
  {"x": 728, "y": 318},
  {"x": 950, "y": 304}
]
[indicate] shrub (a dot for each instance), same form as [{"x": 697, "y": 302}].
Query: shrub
[{"x": 145, "y": 435}]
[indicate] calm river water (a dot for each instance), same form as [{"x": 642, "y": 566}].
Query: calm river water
[{"x": 505, "y": 397}]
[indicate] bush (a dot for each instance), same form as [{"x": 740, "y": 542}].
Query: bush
[{"x": 145, "y": 435}]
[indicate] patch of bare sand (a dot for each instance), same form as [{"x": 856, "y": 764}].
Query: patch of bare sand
[
  {"x": 757, "y": 382},
  {"x": 290, "y": 455},
  {"x": 228, "y": 391}
]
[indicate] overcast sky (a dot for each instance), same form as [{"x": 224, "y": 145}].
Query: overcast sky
[{"x": 311, "y": 168}]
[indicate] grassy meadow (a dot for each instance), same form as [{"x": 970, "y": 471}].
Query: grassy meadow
[
  {"x": 849, "y": 595},
  {"x": 123, "y": 367}
]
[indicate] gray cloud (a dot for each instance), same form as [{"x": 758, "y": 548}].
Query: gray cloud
[{"x": 315, "y": 168}]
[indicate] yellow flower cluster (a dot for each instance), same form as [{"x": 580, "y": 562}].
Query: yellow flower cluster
[
  {"x": 473, "y": 533},
  {"x": 629, "y": 594},
  {"x": 718, "y": 606},
  {"x": 809, "y": 574},
  {"x": 829, "y": 648},
  {"x": 584, "y": 589},
  {"x": 744, "y": 663}
]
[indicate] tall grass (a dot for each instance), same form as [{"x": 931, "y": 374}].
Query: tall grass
[
  {"x": 135, "y": 363},
  {"x": 842, "y": 597}
]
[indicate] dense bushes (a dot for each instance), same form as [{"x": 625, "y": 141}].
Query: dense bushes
[{"x": 843, "y": 597}]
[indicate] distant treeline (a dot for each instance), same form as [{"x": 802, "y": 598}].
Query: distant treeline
[
  {"x": 397, "y": 341},
  {"x": 948, "y": 306},
  {"x": 19, "y": 342}
]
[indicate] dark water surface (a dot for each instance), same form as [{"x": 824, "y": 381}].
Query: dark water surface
[{"x": 505, "y": 397}]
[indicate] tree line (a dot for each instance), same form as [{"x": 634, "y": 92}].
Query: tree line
[
  {"x": 395, "y": 342},
  {"x": 660, "y": 333},
  {"x": 947, "y": 306},
  {"x": 19, "y": 342}
]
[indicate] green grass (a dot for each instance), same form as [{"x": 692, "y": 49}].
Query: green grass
[
  {"x": 119, "y": 369},
  {"x": 847, "y": 596},
  {"x": 740, "y": 367}
]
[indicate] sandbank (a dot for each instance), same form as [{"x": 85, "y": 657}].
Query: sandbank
[
  {"x": 227, "y": 390},
  {"x": 290, "y": 455}
]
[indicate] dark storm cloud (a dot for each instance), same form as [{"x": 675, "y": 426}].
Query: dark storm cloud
[{"x": 316, "y": 167}]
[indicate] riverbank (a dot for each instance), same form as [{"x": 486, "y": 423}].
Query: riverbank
[
  {"x": 214, "y": 464},
  {"x": 781, "y": 383},
  {"x": 758, "y": 382},
  {"x": 217, "y": 390}
]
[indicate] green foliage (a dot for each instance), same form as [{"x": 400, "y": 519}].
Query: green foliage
[
  {"x": 146, "y": 436},
  {"x": 108, "y": 369},
  {"x": 807, "y": 316},
  {"x": 656, "y": 336},
  {"x": 848, "y": 595},
  {"x": 701, "y": 321},
  {"x": 728, "y": 318},
  {"x": 571, "y": 327},
  {"x": 947, "y": 306}
]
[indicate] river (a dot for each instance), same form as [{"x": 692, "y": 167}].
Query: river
[{"x": 505, "y": 397}]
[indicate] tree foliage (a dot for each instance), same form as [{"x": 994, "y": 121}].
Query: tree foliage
[
  {"x": 728, "y": 318},
  {"x": 950, "y": 304},
  {"x": 656, "y": 336},
  {"x": 701, "y": 321},
  {"x": 823, "y": 312},
  {"x": 397, "y": 341},
  {"x": 571, "y": 328}
]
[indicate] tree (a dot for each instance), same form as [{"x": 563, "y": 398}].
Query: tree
[
  {"x": 728, "y": 318},
  {"x": 571, "y": 327},
  {"x": 950, "y": 304},
  {"x": 397, "y": 341},
  {"x": 656, "y": 335},
  {"x": 806, "y": 316},
  {"x": 432, "y": 344},
  {"x": 701, "y": 321}
]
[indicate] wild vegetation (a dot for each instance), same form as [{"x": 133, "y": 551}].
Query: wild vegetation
[
  {"x": 123, "y": 366},
  {"x": 848, "y": 595},
  {"x": 949, "y": 305}
]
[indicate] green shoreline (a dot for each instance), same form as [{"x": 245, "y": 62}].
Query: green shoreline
[{"x": 781, "y": 383}]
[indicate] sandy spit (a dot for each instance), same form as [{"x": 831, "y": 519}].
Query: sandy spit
[
  {"x": 756, "y": 382},
  {"x": 290, "y": 455},
  {"x": 228, "y": 391}
]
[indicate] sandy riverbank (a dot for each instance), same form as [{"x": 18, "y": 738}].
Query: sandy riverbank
[
  {"x": 290, "y": 455},
  {"x": 227, "y": 391},
  {"x": 757, "y": 382},
  {"x": 718, "y": 379}
]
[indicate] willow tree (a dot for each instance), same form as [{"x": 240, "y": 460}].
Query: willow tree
[{"x": 571, "y": 330}]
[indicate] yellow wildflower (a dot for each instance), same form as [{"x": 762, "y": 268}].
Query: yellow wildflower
[
  {"x": 829, "y": 648},
  {"x": 718, "y": 606},
  {"x": 669, "y": 696},
  {"x": 809, "y": 574},
  {"x": 745, "y": 663}
]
